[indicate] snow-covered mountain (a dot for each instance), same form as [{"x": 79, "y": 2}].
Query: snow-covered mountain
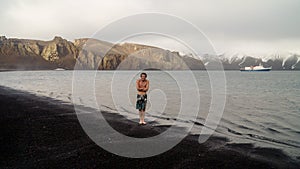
[{"x": 287, "y": 61}]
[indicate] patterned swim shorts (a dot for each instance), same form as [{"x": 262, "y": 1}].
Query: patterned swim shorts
[{"x": 141, "y": 102}]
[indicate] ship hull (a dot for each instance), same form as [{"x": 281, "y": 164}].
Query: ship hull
[{"x": 259, "y": 70}]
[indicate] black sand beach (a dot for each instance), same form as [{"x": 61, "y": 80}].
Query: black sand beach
[{"x": 39, "y": 132}]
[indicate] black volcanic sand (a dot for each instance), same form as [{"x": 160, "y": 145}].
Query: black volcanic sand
[{"x": 39, "y": 132}]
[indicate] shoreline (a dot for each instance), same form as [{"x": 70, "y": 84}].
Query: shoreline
[{"x": 40, "y": 132}]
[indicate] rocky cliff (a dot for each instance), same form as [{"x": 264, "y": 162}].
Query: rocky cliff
[
  {"x": 27, "y": 54},
  {"x": 87, "y": 54},
  {"x": 92, "y": 54}
]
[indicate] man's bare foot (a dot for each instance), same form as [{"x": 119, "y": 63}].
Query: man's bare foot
[{"x": 144, "y": 123}]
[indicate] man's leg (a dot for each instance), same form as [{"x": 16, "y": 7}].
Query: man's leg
[{"x": 141, "y": 116}]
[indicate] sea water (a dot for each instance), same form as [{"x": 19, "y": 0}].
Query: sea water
[{"x": 261, "y": 108}]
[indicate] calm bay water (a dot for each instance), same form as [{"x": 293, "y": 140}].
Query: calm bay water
[{"x": 262, "y": 108}]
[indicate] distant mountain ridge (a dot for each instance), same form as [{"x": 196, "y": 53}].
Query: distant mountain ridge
[
  {"x": 290, "y": 61},
  {"x": 92, "y": 54}
]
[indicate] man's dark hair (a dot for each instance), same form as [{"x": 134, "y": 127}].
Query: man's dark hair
[{"x": 144, "y": 74}]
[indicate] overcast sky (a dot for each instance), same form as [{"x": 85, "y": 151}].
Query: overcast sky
[{"x": 251, "y": 27}]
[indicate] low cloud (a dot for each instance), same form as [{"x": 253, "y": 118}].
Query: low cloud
[{"x": 230, "y": 24}]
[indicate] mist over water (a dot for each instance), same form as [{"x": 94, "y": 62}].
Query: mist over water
[{"x": 262, "y": 108}]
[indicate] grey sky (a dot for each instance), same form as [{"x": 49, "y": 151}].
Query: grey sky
[{"x": 256, "y": 26}]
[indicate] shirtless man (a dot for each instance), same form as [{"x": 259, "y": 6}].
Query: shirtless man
[{"x": 142, "y": 86}]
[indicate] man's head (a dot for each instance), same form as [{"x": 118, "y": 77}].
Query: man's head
[{"x": 143, "y": 76}]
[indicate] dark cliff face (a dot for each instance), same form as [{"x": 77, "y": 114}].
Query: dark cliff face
[{"x": 92, "y": 54}]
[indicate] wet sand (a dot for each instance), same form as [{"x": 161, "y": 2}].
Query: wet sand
[{"x": 39, "y": 132}]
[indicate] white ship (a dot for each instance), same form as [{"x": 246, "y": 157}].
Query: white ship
[
  {"x": 59, "y": 69},
  {"x": 256, "y": 68}
]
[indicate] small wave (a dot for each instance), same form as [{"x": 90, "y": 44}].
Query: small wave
[
  {"x": 234, "y": 132},
  {"x": 294, "y": 131},
  {"x": 273, "y": 130},
  {"x": 244, "y": 127},
  {"x": 108, "y": 107},
  {"x": 198, "y": 123},
  {"x": 271, "y": 140},
  {"x": 240, "y": 126},
  {"x": 259, "y": 137}
]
